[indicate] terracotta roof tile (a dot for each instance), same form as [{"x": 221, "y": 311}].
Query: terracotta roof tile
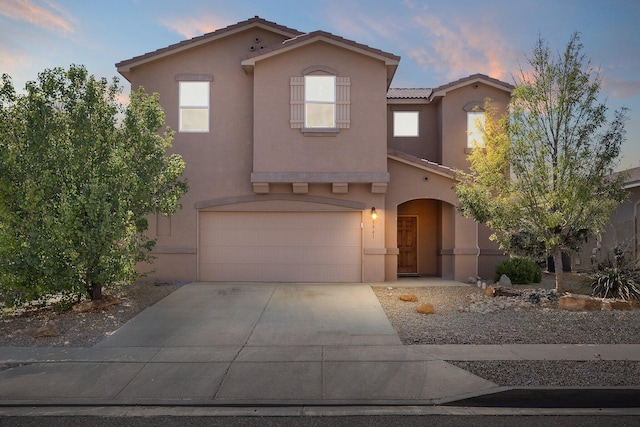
[
  {"x": 424, "y": 163},
  {"x": 409, "y": 93}
]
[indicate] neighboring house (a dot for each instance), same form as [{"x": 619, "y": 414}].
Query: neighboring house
[
  {"x": 622, "y": 232},
  {"x": 304, "y": 166}
]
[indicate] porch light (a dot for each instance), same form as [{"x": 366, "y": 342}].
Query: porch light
[{"x": 374, "y": 214}]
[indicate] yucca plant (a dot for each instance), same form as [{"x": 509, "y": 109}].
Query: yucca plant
[
  {"x": 616, "y": 278},
  {"x": 612, "y": 282}
]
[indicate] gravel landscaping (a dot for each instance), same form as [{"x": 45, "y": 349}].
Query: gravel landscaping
[{"x": 464, "y": 315}]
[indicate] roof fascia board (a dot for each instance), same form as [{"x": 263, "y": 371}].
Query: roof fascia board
[
  {"x": 249, "y": 62},
  {"x": 405, "y": 101},
  {"x": 443, "y": 92},
  {"x": 420, "y": 166},
  {"x": 190, "y": 45}
]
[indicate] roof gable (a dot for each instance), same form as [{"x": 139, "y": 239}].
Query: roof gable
[
  {"x": 466, "y": 81},
  {"x": 389, "y": 59},
  {"x": 124, "y": 67}
]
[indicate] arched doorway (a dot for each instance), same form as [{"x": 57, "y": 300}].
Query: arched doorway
[{"x": 423, "y": 228}]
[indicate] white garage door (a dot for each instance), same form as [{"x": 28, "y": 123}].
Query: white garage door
[{"x": 280, "y": 246}]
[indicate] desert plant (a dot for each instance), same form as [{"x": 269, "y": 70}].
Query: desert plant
[
  {"x": 616, "y": 277},
  {"x": 613, "y": 282},
  {"x": 520, "y": 270}
]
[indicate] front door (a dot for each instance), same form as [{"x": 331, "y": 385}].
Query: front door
[{"x": 407, "y": 244}]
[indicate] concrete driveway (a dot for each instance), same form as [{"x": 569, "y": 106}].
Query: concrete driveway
[
  {"x": 260, "y": 314},
  {"x": 243, "y": 344}
]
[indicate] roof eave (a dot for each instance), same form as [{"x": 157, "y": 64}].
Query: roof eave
[
  {"x": 249, "y": 63},
  {"x": 125, "y": 67}
]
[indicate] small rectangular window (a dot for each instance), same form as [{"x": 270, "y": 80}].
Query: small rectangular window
[
  {"x": 320, "y": 101},
  {"x": 475, "y": 126},
  {"x": 194, "y": 106},
  {"x": 405, "y": 123}
]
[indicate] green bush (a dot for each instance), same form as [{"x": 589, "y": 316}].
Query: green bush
[{"x": 520, "y": 270}]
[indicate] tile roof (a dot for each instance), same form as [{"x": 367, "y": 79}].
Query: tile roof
[
  {"x": 212, "y": 35},
  {"x": 423, "y": 163},
  {"x": 409, "y": 93}
]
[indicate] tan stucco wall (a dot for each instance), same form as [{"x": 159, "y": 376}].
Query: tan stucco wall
[
  {"x": 453, "y": 119},
  {"x": 361, "y": 148},
  {"x": 427, "y": 144}
]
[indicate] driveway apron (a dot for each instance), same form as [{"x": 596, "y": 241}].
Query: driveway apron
[{"x": 247, "y": 344}]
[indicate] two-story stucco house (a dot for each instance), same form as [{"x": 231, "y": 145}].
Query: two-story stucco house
[{"x": 303, "y": 164}]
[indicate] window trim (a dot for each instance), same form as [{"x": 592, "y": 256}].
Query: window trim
[
  {"x": 308, "y": 102},
  {"x": 473, "y": 108},
  {"x": 413, "y": 112},
  {"x": 342, "y": 109},
  {"x": 194, "y": 78}
]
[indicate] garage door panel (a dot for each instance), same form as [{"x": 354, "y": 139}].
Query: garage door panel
[
  {"x": 280, "y": 246},
  {"x": 283, "y": 254}
]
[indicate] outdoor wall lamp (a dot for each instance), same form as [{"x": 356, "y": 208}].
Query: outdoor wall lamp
[{"x": 374, "y": 214}]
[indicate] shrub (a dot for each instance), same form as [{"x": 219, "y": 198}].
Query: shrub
[
  {"x": 519, "y": 270},
  {"x": 615, "y": 282}
]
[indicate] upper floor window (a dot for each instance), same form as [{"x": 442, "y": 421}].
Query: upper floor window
[
  {"x": 475, "y": 125},
  {"x": 194, "y": 106},
  {"x": 319, "y": 101},
  {"x": 405, "y": 123}
]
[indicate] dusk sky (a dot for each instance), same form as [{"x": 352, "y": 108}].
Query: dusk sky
[{"x": 439, "y": 41}]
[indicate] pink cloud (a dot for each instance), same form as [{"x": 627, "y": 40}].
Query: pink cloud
[
  {"x": 621, "y": 89},
  {"x": 50, "y": 16},
  {"x": 457, "y": 49},
  {"x": 190, "y": 27}
]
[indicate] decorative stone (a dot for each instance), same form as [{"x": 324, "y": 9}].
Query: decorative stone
[
  {"x": 408, "y": 298},
  {"x": 489, "y": 291},
  {"x": 97, "y": 305},
  {"x": 425, "y": 308},
  {"x": 504, "y": 281},
  {"x": 471, "y": 280},
  {"x": 576, "y": 302},
  {"x": 47, "y": 330}
]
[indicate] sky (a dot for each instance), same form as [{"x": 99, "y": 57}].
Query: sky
[{"x": 439, "y": 41}]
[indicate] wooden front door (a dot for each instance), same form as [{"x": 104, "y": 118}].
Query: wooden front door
[{"x": 408, "y": 244}]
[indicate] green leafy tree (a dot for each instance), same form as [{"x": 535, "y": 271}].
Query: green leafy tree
[
  {"x": 80, "y": 172},
  {"x": 543, "y": 179}
]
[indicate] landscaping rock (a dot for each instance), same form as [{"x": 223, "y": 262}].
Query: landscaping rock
[
  {"x": 49, "y": 329},
  {"x": 408, "y": 298},
  {"x": 504, "y": 281},
  {"x": 575, "y": 302},
  {"x": 98, "y": 305},
  {"x": 425, "y": 308}
]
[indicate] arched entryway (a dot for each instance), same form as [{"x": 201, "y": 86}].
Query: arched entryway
[{"x": 424, "y": 228}]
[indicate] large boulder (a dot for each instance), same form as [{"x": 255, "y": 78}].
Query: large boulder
[{"x": 504, "y": 281}]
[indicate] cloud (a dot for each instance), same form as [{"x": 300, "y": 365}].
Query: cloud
[
  {"x": 621, "y": 89},
  {"x": 190, "y": 26},
  {"x": 456, "y": 49},
  {"x": 50, "y": 15}
]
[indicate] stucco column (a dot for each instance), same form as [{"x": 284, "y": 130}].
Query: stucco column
[
  {"x": 391, "y": 243},
  {"x": 465, "y": 250}
]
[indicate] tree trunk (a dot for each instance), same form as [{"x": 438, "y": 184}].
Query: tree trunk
[
  {"x": 557, "y": 262},
  {"x": 93, "y": 289},
  {"x": 96, "y": 292}
]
